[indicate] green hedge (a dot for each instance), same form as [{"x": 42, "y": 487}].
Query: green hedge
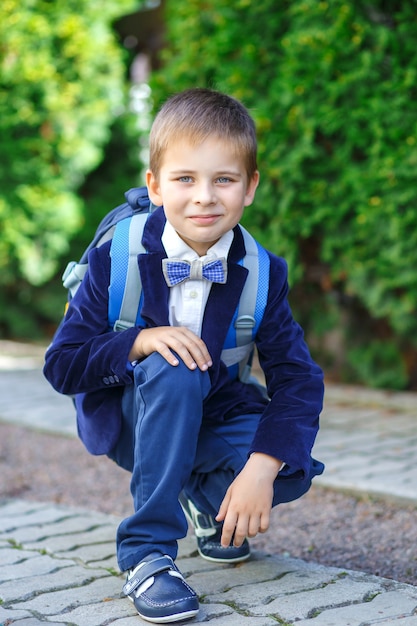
[
  {"x": 332, "y": 88},
  {"x": 63, "y": 94},
  {"x": 62, "y": 82}
]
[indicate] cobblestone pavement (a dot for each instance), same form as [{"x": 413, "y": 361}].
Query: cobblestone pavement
[
  {"x": 58, "y": 567},
  {"x": 58, "y": 564},
  {"x": 368, "y": 440}
]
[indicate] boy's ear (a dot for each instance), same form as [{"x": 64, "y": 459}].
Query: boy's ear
[
  {"x": 153, "y": 189},
  {"x": 251, "y": 188}
]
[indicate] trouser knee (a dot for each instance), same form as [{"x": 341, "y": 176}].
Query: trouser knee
[
  {"x": 174, "y": 380},
  {"x": 162, "y": 401}
]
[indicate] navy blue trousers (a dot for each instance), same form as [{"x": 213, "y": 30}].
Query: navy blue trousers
[{"x": 168, "y": 447}]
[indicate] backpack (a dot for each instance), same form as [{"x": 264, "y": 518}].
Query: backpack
[{"x": 124, "y": 227}]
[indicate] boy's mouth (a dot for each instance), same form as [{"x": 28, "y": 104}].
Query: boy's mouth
[{"x": 205, "y": 220}]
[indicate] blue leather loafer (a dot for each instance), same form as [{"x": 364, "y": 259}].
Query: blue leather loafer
[{"x": 159, "y": 591}]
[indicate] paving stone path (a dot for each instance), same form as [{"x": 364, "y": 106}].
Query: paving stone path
[{"x": 58, "y": 566}]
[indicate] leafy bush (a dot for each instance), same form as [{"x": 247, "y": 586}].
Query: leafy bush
[
  {"x": 62, "y": 81},
  {"x": 332, "y": 88}
]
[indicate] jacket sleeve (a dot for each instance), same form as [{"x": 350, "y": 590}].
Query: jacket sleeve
[
  {"x": 85, "y": 355},
  {"x": 290, "y": 422}
]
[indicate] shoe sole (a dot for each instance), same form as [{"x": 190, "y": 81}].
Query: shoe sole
[
  {"x": 238, "y": 559},
  {"x": 167, "y": 619}
]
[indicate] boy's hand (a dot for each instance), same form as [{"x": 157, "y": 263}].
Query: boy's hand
[
  {"x": 246, "y": 507},
  {"x": 165, "y": 339}
]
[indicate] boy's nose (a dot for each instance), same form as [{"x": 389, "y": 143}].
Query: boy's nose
[{"x": 204, "y": 194}]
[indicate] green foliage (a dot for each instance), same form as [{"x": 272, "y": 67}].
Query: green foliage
[
  {"x": 332, "y": 88},
  {"x": 62, "y": 80},
  {"x": 103, "y": 189},
  {"x": 380, "y": 363}
]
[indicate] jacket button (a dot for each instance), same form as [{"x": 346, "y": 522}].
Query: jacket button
[{"x": 106, "y": 380}]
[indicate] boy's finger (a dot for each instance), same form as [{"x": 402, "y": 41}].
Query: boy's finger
[
  {"x": 199, "y": 352},
  {"x": 241, "y": 531},
  {"x": 189, "y": 348},
  {"x": 226, "y": 537},
  {"x": 190, "y": 360},
  {"x": 229, "y": 528},
  {"x": 168, "y": 356},
  {"x": 193, "y": 356},
  {"x": 254, "y": 526}
]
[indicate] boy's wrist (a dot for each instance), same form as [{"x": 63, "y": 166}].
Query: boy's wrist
[{"x": 276, "y": 465}]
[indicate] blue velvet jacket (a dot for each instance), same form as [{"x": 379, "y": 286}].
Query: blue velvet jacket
[{"x": 87, "y": 359}]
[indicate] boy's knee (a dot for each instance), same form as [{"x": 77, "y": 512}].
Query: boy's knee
[{"x": 173, "y": 377}]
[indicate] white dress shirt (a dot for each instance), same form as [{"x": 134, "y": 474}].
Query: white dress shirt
[{"x": 187, "y": 300}]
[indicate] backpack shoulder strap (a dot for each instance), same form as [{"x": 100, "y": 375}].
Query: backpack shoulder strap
[
  {"x": 137, "y": 201},
  {"x": 239, "y": 345},
  {"x": 125, "y": 284},
  {"x": 74, "y": 272}
]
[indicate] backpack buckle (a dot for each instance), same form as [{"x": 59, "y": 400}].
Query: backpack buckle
[
  {"x": 121, "y": 325},
  {"x": 245, "y": 322}
]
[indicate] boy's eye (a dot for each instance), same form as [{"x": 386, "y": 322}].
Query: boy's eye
[
  {"x": 223, "y": 179},
  {"x": 185, "y": 179}
]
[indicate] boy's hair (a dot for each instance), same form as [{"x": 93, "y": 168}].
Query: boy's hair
[{"x": 196, "y": 114}]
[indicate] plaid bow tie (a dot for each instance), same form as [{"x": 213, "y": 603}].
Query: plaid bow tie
[{"x": 177, "y": 270}]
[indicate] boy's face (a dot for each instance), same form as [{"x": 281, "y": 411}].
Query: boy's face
[{"x": 204, "y": 190}]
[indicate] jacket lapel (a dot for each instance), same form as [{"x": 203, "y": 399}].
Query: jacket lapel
[{"x": 224, "y": 299}]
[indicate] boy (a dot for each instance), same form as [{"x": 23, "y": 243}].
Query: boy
[{"x": 157, "y": 398}]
